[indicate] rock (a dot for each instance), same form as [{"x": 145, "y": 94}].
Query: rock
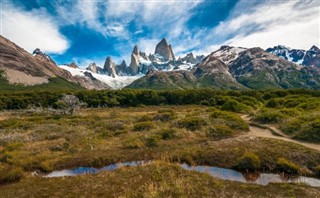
[
  {"x": 73, "y": 65},
  {"x": 135, "y": 50},
  {"x": 310, "y": 57},
  {"x": 165, "y": 50},
  {"x": 121, "y": 69},
  {"x": 134, "y": 65},
  {"x": 109, "y": 67},
  {"x": 94, "y": 68}
]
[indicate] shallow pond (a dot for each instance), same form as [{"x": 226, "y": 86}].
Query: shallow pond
[{"x": 222, "y": 173}]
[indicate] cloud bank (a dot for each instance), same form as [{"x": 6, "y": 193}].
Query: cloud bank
[{"x": 33, "y": 29}]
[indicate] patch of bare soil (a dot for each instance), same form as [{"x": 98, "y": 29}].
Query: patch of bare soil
[
  {"x": 266, "y": 132},
  {"x": 15, "y": 76}
]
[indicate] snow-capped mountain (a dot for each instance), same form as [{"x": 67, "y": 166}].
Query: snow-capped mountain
[
  {"x": 309, "y": 57},
  {"x": 227, "y": 54},
  {"x": 118, "y": 76}
]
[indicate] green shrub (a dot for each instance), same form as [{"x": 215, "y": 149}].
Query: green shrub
[
  {"x": 167, "y": 134},
  {"x": 192, "y": 123},
  {"x": 291, "y": 126},
  {"x": 205, "y": 103},
  {"x": 219, "y": 132},
  {"x": 275, "y": 102},
  {"x": 269, "y": 116},
  {"x": 234, "y": 106},
  {"x": 143, "y": 126},
  {"x": 285, "y": 166},
  {"x": 10, "y": 174},
  {"x": 144, "y": 118},
  {"x": 151, "y": 141},
  {"x": 132, "y": 142},
  {"x": 310, "y": 131},
  {"x": 164, "y": 117},
  {"x": 230, "y": 119},
  {"x": 249, "y": 161},
  {"x": 13, "y": 146}
]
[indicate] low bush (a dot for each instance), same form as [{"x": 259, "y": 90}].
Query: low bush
[
  {"x": 269, "y": 116},
  {"x": 248, "y": 162},
  {"x": 285, "y": 166},
  {"x": 132, "y": 142},
  {"x": 144, "y": 118},
  {"x": 164, "y": 117},
  {"x": 168, "y": 134},
  {"x": 151, "y": 141},
  {"x": 291, "y": 126},
  {"x": 230, "y": 119},
  {"x": 192, "y": 123},
  {"x": 219, "y": 132},
  {"x": 10, "y": 174},
  {"x": 234, "y": 106},
  {"x": 143, "y": 126},
  {"x": 310, "y": 131}
]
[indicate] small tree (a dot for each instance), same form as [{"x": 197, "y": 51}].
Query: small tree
[{"x": 69, "y": 104}]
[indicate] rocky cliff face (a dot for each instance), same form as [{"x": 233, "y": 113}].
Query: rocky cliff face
[
  {"x": 110, "y": 67},
  {"x": 165, "y": 50}
]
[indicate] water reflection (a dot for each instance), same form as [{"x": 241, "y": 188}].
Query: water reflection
[
  {"x": 89, "y": 170},
  {"x": 222, "y": 173},
  {"x": 255, "y": 178}
]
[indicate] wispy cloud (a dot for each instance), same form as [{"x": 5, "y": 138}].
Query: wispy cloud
[
  {"x": 291, "y": 23},
  {"x": 33, "y": 29}
]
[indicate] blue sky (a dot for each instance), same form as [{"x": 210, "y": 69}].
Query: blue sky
[{"x": 86, "y": 31}]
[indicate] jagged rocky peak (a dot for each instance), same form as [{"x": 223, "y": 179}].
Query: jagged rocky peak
[
  {"x": 135, "y": 50},
  {"x": 314, "y": 49},
  {"x": 109, "y": 67},
  {"x": 189, "y": 58},
  {"x": 94, "y": 68},
  {"x": 122, "y": 68},
  {"x": 165, "y": 50},
  {"x": 73, "y": 65},
  {"x": 38, "y": 53},
  {"x": 134, "y": 65}
]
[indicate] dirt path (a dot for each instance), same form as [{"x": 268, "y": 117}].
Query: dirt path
[{"x": 261, "y": 132}]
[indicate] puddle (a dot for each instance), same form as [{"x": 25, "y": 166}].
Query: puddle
[
  {"x": 89, "y": 170},
  {"x": 255, "y": 178},
  {"x": 222, "y": 173}
]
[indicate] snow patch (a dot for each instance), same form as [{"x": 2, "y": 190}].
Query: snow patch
[{"x": 116, "y": 83}]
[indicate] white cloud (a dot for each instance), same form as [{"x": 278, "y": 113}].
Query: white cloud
[
  {"x": 31, "y": 30},
  {"x": 291, "y": 23}
]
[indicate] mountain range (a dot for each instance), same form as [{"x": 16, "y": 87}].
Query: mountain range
[{"x": 226, "y": 68}]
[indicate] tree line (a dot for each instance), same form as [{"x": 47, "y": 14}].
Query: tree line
[{"x": 130, "y": 97}]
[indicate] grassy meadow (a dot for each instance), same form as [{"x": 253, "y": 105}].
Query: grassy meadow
[{"x": 211, "y": 133}]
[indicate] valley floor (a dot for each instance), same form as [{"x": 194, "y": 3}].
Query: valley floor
[{"x": 167, "y": 135}]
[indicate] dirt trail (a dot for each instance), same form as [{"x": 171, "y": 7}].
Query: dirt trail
[{"x": 260, "y": 132}]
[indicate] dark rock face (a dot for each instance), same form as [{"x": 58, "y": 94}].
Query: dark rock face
[
  {"x": 165, "y": 50},
  {"x": 109, "y": 67},
  {"x": 134, "y": 65},
  {"x": 73, "y": 65},
  {"x": 310, "y": 57},
  {"x": 121, "y": 69}
]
